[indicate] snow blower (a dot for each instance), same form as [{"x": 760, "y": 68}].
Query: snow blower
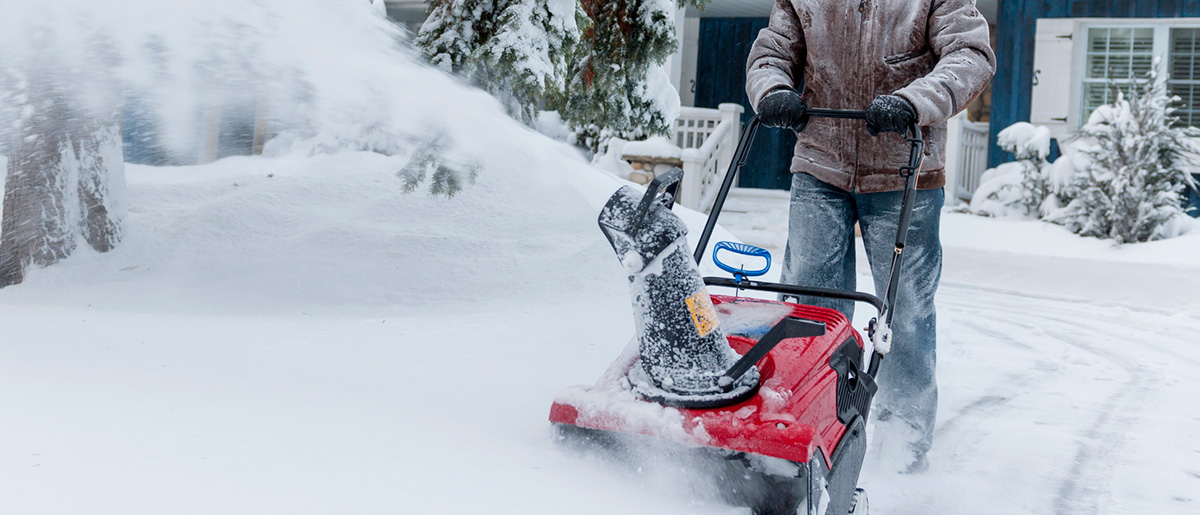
[{"x": 774, "y": 394}]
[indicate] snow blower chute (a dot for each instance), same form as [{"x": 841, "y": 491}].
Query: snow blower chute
[{"x": 775, "y": 393}]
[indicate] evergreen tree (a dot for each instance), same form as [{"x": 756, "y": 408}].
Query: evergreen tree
[
  {"x": 617, "y": 85},
  {"x": 1134, "y": 182},
  {"x": 515, "y": 49}
]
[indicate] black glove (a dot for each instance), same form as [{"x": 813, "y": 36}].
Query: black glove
[
  {"x": 783, "y": 108},
  {"x": 890, "y": 113}
]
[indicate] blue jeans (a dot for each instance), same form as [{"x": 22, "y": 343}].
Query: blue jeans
[{"x": 820, "y": 253}]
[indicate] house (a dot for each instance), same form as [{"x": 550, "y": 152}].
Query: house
[
  {"x": 709, "y": 71},
  {"x": 237, "y": 126},
  {"x": 1057, "y": 60},
  {"x": 1060, "y": 58}
]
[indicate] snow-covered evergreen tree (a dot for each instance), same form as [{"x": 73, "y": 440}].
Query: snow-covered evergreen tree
[
  {"x": 517, "y": 50},
  {"x": 1132, "y": 183},
  {"x": 618, "y": 85}
]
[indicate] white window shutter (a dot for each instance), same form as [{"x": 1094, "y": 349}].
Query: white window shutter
[{"x": 1052, "y": 74}]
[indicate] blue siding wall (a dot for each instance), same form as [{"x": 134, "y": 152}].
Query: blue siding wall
[{"x": 1011, "y": 92}]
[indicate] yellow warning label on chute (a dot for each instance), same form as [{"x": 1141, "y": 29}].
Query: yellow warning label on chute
[{"x": 704, "y": 315}]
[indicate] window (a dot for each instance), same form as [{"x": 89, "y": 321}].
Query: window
[
  {"x": 1116, "y": 54},
  {"x": 1184, "y": 80}
]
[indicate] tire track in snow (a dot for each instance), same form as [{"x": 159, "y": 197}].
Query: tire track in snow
[
  {"x": 1101, "y": 438},
  {"x": 1091, "y": 472},
  {"x": 987, "y": 403},
  {"x": 986, "y": 406}
]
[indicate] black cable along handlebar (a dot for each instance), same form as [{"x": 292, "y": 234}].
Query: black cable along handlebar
[{"x": 886, "y": 306}]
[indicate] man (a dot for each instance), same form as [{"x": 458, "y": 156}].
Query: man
[{"x": 905, "y": 61}]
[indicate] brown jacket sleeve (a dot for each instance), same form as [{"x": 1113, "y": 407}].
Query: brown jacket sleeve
[
  {"x": 959, "y": 37},
  {"x": 777, "y": 57}
]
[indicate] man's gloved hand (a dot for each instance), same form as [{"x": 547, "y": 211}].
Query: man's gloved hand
[
  {"x": 890, "y": 113},
  {"x": 783, "y": 108}
]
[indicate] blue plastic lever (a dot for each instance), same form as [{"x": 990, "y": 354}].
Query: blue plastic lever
[{"x": 745, "y": 250}]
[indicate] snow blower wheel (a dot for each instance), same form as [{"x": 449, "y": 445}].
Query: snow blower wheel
[{"x": 771, "y": 396}]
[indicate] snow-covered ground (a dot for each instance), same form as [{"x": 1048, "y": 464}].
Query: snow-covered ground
[{"x": 298, "y": 335}]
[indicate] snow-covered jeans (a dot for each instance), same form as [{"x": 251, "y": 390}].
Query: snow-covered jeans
[{"x": 820, "y": 253}]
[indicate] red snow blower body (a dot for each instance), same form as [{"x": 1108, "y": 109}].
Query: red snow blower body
[
  {"x": 777, "y": 393},
  {"x": 795, "y": 412}
]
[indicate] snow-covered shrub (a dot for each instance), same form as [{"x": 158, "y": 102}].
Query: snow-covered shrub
[
  {"x": 516, "y": 50},
  {"x": 1022, "y": 187},
  {"x": 1130, "y": 186}
]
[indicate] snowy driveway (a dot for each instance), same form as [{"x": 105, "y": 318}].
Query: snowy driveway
[
  {"x": 1058, "y": 406},
  {"x": 1048, "y": 406}
]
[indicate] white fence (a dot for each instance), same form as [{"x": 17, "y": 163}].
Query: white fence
[
  {"x": 967, "y": 154},
  {"x": 708, "y": 138},
  {"x": 694, "y": 126}
]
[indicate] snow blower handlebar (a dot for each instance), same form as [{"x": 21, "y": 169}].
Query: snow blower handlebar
[{"x": 880, "y": 329}]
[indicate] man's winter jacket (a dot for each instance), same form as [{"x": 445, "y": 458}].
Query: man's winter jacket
[{"x": 843, "y": 53}]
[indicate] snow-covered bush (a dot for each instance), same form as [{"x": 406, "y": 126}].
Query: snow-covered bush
[
  {"x": 1130, "y": 186},
  {"x": 1022, "y": 187},
  {"x": 516, "y": 50}
]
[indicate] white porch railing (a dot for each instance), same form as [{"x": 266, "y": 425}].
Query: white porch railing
[
  {"x": 968, "y": 154},
  {"x": 694, "y": 125},
  {"x": 708, "y": 138}
]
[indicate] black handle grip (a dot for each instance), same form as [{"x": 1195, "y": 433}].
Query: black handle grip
[{"x": 840, "y": 114}]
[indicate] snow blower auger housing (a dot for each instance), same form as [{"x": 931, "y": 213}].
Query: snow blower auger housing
[{"x": 775, "y": 393}]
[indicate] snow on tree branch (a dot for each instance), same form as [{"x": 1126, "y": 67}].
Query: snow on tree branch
[{"x": 514, "y": 49}]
